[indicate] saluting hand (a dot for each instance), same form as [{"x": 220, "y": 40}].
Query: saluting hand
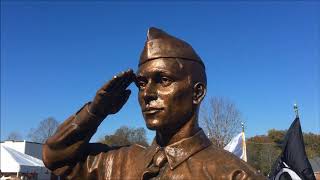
[{"x": 113, "y": 95}]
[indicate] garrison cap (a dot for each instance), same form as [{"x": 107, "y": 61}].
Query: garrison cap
[{"x": 160, "y": 44}]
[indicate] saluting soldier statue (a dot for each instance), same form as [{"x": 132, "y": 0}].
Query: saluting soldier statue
[{"x": 172, "y": 82}]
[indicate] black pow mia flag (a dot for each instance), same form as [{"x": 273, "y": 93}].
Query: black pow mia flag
[{"x": 292, "y": 162}]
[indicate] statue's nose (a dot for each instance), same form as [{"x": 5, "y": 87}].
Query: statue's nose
[{"x": 150, "y": 92}]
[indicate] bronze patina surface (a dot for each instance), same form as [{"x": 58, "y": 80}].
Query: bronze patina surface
[{"x": 172, "y": 83}]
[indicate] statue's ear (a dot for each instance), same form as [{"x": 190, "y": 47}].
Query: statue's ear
[{"x": 199, "y": 91}]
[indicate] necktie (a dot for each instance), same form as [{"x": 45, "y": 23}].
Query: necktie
[{"x": 158, "y": 161}]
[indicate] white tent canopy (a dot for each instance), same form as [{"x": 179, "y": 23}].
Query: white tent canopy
[{"x": 15, "y": 161}]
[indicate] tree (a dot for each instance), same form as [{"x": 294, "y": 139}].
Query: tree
[
  {"x": 312, "y": 144},
  {"x": 126, "y": 136},
  {"x": 277, "y": 136},
  {"x": 221, "y": 120},
  {"x": 45, "y": 129},
  {"x": 14, "y": 136},
  {"x": 262, "y": 152}
]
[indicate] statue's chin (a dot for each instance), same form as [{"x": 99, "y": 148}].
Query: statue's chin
[{"x": 153, "y": 124}]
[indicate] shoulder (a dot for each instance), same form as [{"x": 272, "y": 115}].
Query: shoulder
[
  {"x": 114, "y": 154},
  {"x": 135, "y": 149},
  {"x": 103, "y": 149},
  {"x": 222, "y": 164}
]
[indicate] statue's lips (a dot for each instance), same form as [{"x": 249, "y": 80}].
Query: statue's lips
[{"x": 149, "y": 111}]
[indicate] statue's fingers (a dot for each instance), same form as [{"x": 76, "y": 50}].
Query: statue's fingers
[
  {"x": 114, "y": 82},
  {"x": 125, "y": 83},
  {"x": 127, "y": 79}
]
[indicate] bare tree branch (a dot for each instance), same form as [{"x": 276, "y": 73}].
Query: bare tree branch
[
  {"x": 220, "y": 119},
  {"x": 14, "y": 136},
  {"x": 45, "y": 129}
]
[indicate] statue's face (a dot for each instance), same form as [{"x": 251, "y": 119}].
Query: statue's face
[{"x": 165, "y": 94}]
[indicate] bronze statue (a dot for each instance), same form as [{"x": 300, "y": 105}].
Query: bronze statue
[{"x": 172, "y": 83}]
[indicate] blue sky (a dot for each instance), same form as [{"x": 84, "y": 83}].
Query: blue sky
[{"x": 263, "y": 56}]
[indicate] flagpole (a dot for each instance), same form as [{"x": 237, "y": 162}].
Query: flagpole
[
  {"x": 244, "y": 148},
  {"x": 296, "y": 110}
]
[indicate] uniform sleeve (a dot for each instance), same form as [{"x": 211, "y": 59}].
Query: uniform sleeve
[{"x": 68, "y": 152}]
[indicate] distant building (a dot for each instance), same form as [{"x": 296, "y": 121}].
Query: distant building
[
  {"x": 31, "y": 148},
  {"x": 23, "y": 160}
]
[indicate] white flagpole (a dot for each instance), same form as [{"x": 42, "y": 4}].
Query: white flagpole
[
  {"x": 296, "y": 110},
  {"x": 244, "y": 147}
]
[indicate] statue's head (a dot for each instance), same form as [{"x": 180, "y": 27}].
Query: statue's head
[{"x": 172, "y": 81}]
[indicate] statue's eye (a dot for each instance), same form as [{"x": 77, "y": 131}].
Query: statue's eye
[
  {"x": 165, "y": 81},
  {"x": 141, "y": 84}
]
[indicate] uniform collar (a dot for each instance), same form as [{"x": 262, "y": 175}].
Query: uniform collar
[{"x": 179, "y": 151}]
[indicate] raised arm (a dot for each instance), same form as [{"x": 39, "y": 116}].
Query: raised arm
[{"x": 69, "y": 149}]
